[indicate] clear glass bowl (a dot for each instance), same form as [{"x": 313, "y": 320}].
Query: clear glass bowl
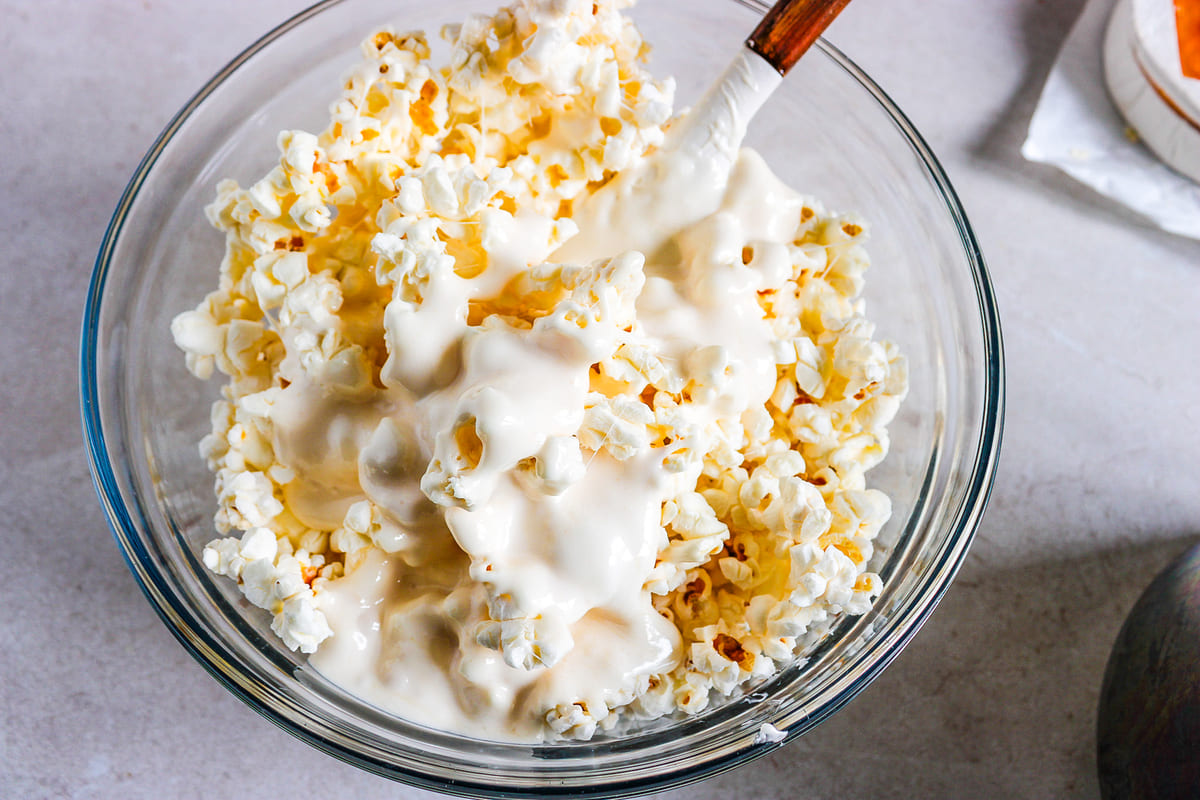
[{"x": 829, "y": 131}]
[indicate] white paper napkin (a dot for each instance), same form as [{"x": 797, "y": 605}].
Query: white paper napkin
[{"x": 1077, "y": 129}]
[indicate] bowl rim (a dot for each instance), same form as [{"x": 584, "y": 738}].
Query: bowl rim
[{"x": 209, "y": 652}]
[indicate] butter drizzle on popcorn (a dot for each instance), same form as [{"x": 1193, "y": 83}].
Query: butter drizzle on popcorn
[{"x": 419, "y": 393}]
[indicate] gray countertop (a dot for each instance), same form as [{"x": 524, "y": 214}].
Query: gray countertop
[{"x": 1097, "y": 487}]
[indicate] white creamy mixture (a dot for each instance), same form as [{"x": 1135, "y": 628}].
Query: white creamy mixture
[{"x": 545, "y": 411}]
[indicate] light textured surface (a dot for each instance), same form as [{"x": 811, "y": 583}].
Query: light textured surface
[{"x": 994, "y": 698}]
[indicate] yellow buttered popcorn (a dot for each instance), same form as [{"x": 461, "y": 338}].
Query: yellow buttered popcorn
[{"x": 558, "y": 493}]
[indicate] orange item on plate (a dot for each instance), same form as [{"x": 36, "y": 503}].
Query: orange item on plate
[{"x": 1187, "y": 24}]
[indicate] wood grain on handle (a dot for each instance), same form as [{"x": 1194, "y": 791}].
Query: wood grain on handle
[{"x": 790, "y": 28}]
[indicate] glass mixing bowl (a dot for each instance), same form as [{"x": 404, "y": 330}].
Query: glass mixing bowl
[{"x": 828, "y": 131}]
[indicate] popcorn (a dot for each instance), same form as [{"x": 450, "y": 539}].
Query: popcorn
[
  {"x": 300, "y": 624},
  {"x": 517, "y": 447},
  {"x": 571, "y": 721},
  {"x": 358, "y": 529},
  {"x": 616, "y": 425},
  {"x": 693, "y": 692},
  {"x": 558, "y": 465},
  {"x": 253, "y": 498},
  {"x": 526, "y": 642},
  {"x": 277, "y": 585},
  {"x": 810, "y": 364}
]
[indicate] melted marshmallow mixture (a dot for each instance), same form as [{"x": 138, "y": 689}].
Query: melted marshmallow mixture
[{"x": 546, "y": 411}]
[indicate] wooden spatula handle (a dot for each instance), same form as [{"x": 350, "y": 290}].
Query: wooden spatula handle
[{"x": 790, "y": 28}]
